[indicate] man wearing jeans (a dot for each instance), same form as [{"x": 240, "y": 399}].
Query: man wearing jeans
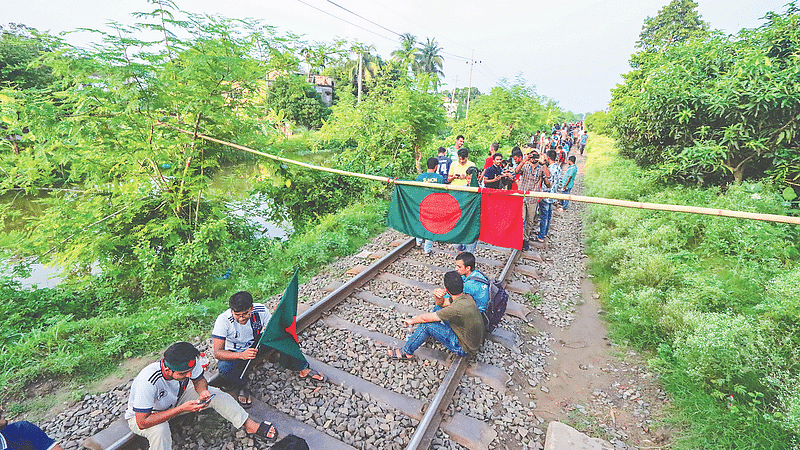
[
  {"x": 455, "y": 322},
  {"x": 546, "y": 205},
  {"x": 568, "y": 180},
  {"x": 234, "y": 335}
]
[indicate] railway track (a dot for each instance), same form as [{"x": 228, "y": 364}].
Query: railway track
[{"x": 369, "y": 400}]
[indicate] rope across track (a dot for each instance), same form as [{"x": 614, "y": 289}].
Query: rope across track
[{"x": 577, "y": 198}]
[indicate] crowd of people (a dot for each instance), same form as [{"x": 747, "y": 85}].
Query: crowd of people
[{"x": 545, "y": 164}]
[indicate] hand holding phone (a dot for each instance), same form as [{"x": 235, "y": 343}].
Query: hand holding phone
[{"x": 206, "y": 401}]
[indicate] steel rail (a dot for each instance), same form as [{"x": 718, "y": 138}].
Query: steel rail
[
  {"x": 314, "y": 313},
  {"x": 426, "y": 430}
]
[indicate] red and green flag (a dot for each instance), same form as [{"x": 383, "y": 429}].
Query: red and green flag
[
  {"x": 456, "y": 216},
  {"x": 281, "y": 330}
]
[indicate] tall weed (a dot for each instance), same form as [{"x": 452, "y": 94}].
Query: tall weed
[{"x": 716, "y": 299}]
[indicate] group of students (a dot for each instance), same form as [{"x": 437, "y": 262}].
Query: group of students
[{"x": 545, "y": 166}]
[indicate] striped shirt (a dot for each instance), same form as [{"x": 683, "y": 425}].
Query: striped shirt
[
  {"x": 150, "y": 391},
  {"x": 238, "y": 337}
]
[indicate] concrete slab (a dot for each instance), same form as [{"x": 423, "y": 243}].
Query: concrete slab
[
  {"x": 397, "y": 243},
  {"x": 355, "y": 270},
  {"x": 529, "y": 271},
  {"x": 533, "y": 254},
  {"x": 519, "y": 287},
  {"x": 333, "y": 285},
  {"x": 564, "y": 437},
  {"x": 377, "y": 255}
]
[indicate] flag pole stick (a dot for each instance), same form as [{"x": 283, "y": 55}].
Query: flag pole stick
[{"x": 570, "y": 197}]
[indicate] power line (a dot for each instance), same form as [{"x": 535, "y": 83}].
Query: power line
[
  {"x": 346, "y": 21},
  {"x": 364, "y": 18}
]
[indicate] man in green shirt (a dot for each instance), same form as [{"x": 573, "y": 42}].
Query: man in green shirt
[{"x": 455, "y": 322}]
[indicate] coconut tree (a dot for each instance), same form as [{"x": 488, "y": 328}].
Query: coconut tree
[
  {"x": 408, "y": 52},
  {"x": 430, "y": 61}
]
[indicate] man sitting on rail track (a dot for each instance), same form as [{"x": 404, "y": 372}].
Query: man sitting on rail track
[
  {"x": 475, "y": 282},
  {"x": 455, "y": 322},
  {"x": 235, "y": 331},
  {"x": 160, "y": 392},
  {"x": 24, "y": 435}
]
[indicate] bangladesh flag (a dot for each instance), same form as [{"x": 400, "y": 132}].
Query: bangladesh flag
[
  {"x": 455, "y": 216},
  {"x": 281, "y": 330}
]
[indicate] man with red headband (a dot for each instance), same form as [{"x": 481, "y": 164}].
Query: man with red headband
[{"x": 160, "y": 392}]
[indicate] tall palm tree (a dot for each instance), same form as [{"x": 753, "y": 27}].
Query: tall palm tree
[
  {"x": 430, "y": 61},
  {"x": 407, "y": 53}
]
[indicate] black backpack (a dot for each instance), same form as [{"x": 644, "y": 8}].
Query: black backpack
[{"x": 496, "y": 308}]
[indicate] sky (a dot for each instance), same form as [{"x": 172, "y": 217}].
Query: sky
[{"x": 572, "y": 51}]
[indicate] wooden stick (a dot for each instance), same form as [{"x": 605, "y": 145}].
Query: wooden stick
[{"x": 570, "y": 197}]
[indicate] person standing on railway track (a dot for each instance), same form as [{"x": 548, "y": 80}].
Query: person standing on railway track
[
  {"x": 431, "y": 176},
  {"x": 532, "y": 174},
  {"x": 234, "y": 334},
  {"x": 24, "y": 435},
  {"x": 455, "y": 322},
  {"x": 452, "y": 151},
  {"x": 160, "y": 393}
]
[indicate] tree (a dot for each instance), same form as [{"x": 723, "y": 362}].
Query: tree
[
  {"x": 674, "y": 23},
  {"x": 716, "y": 107},
  {"x": 406, "y": 55},
  {"x": 298, "y": 100},
  {"x": 20, "y": 47},
  {"x": 144, "y": 213},
  {"x": 430, "y": 61}
]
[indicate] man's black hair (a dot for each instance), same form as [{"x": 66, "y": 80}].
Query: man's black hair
[
  {"x": 453, "y": 283},
  {"x": 572, "y": 158},
  {"x": 441, "y": 150},
  {"x": 551, "y": 154},
  {"x": 516, "y": 152},
  {"x": 460, "y": 136},
  {"x": 241, "y": 301},
  {"x": 432, "y": 163},
  {"x": 180, "y": 356},
  {"x": 468, "y": 259},
  {"x": 496, "y": 155},
  {"x": 463, "y": 152}
]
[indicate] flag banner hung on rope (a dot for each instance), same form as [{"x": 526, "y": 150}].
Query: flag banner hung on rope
[
  {"x": 501, "y": 218},
  {"x": 436, "y": 214},
  {"x": 457, "y": 217},
  {"x": 281, "y": 330}
]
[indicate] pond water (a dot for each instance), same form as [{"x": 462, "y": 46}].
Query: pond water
[{"x": 230, "y": 183}]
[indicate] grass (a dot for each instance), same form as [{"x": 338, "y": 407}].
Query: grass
[
  {"x": 76, "y": 351},
  {"x": 709, "y": 297}
]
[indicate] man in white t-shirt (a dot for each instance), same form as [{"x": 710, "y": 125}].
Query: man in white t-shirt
[
  {"x": 160, "y": 392},
  {"x": 235, "y": 334}
]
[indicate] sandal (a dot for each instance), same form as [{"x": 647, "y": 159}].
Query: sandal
[
  {"x": 313, "y": 375},
  {"x": 397, "y": 353},
  {"x": 262, "y": 434},
  {"x": 244, "y": 393}
]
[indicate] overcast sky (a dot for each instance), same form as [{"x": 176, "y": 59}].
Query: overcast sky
[{"x": 572, "y": 51}]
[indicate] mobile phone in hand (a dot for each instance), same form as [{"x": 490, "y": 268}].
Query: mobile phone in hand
[{"x": 208, "y": 400}]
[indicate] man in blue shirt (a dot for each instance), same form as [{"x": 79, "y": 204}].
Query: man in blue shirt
[
  {"x": 475, "y": 283},
  {"x": 568, "y": 180},
  {"x": 431, "y": 176},
  {"x": 444, "y": 162},
  {"x": 24, "y": 436}
]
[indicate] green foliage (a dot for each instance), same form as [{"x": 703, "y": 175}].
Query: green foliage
[
  {"x": 674, "y": 23},
  {"x": 384, "y": 133},
  {"x": 20, "y": 48},
  {"x": 715, "y": 298},
  {"x": 734, "y": 101},
  {"x": 298, "y": 100},
  {"x": 509, "y": 115},
  {"x": 597, "y": 122}
]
